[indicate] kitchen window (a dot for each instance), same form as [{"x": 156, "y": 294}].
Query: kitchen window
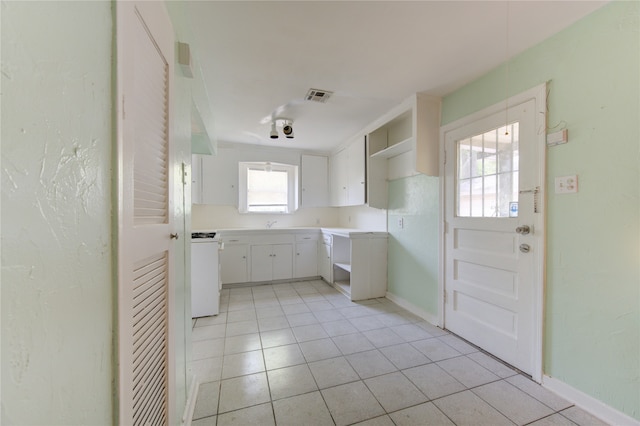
[{"x": 266, "y": 187}]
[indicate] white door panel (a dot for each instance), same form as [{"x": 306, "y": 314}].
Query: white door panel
[
  {"x": 491, "y": 286},
  {"x": 145, "y": 221}
]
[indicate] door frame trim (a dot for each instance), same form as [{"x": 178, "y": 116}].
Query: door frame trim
[{"x": 539, "y": 94}]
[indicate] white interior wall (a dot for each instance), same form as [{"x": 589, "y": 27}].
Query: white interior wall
[
  {"x": 363, "y": 217},
  {"x": 57, "y": 284},
  {"x": 206, "y": 216}
]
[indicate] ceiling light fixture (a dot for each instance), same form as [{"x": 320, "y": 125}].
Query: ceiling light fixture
[{"x": 287, "y": 128}]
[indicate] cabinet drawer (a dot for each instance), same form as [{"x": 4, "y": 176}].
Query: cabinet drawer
[
  {"x": 301, "y": 238},
  {"x": 235, "y": 239}
]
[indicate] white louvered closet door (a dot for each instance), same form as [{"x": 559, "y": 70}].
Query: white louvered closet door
[{"x": 145, "y": 69}]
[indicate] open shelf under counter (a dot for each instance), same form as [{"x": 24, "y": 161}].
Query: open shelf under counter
[
  {"x": 343, "y": 287},
  {"x": 359, "y": 262},
  {"x": 343, "y": 266}
]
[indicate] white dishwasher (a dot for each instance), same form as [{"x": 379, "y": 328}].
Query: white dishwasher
[{"x": 205, "y": 274}]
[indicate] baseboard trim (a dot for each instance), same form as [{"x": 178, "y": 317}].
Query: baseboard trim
[
  {"x": 258, "y": 283},
  {"x": 588, "y": 403},
  {"x": 433, "y": 319},
  {"x": 190, "y": 405}
]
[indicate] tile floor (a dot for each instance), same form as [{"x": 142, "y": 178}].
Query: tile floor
[{"x": 303, "y": 354}]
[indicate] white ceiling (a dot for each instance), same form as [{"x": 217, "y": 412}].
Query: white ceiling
[{"x": 258, "y": 59}]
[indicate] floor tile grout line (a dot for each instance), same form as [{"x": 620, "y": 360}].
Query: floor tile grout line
[{"x": 377, "y": 348}]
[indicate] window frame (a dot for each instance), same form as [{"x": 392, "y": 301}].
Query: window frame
[{"x": 292, "y": 184}]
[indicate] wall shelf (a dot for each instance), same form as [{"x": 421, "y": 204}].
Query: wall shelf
[
  {"x": 402, "y": 143},
  {"x": 396, "y": 149}
]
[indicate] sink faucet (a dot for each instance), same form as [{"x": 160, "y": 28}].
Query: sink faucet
[{"x": 270, "y": 223}]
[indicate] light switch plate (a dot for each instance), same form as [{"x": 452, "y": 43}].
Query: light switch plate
[{"x": 566, "y": 184}]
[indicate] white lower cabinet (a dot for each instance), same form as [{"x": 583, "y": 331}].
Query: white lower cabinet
[
  {"x": 353, "y": 261},
  {"x": 233, "y": 263},
  {"x": 306, "y": 262},
  {"x": 271, "y": 262},
  {"x": 324, "y": 260}
]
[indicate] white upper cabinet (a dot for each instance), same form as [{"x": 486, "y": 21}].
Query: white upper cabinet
[
  {"x": 219, "y": 181},
  {"x": 348, "y": 181},
  {"x": 314, "y": 177},
  {"x": 338, "y": 167},
  {"x": 196, "y": 179},
  {"x": 356, "y": 183},
  {"x": 411, "y": 129}
]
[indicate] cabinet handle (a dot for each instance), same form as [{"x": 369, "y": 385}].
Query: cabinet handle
[{"x": 233, "y": 241}]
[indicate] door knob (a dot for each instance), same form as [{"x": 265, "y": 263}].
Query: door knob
[
  {"x": 174, "y": 236},
  {"x": 525, "y": 248},
  {"x": 523, "y": 230}
]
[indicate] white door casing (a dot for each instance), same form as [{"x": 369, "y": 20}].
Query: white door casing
[
  {"x": 145, "y": 61},
  {"x": 492, "y": 292}
]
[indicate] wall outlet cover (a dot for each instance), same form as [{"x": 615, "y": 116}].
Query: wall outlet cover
[{"x": 566, "y": 184}]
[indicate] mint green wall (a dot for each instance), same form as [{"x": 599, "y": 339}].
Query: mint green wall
[
  {"x": 57, "y": 283},
  {"x": 592, "y": 321},
  {"x": 413, "y": 249}
]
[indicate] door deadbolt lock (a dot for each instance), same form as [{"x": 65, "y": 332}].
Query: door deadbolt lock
[
  {"x": 525, "y": 248},
  {"x": 523, "y": 230}
]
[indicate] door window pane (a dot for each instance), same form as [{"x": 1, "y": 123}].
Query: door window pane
[{"x": 487, "y": 173}]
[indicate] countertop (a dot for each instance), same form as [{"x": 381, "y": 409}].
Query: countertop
[{"x": 343, "y": 232}]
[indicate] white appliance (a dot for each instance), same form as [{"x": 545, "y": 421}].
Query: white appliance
[{"x": 205, "y": 274}]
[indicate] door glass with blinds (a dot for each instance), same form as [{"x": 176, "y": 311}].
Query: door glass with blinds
[{"x": 487, "y": 173}]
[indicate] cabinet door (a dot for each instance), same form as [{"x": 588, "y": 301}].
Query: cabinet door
[
  {"x": 282, "y": 261},
  {"x": 196, "y": 179},
  {"x": 306, "y": 260},
  {"x": 324, "y": 261},
  {"x": 219, "y": 181},
  {"x": 355, "y": 173},
  {"x": 261, "y": 262},
  {"x": 315, "y": 186},
  {"x": 339, "y": 179},
  {"x": 233, "y": 264}
]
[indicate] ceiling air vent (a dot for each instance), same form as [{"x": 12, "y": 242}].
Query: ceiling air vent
[{"x": 316, "y": 95}]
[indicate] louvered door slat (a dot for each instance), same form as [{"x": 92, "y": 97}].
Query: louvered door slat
[
  {"x": 150, "y": 196},
  {"x": 146, "y": 370},
  {"x": 147, "y": 338},
  {"x": 151, "y": 150},
  {"x": 149, "y": 331}
]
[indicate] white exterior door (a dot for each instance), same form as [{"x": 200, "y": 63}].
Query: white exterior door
[
  {"x": 145, "y": 220},
  {"x": 494, "y": 229}
]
